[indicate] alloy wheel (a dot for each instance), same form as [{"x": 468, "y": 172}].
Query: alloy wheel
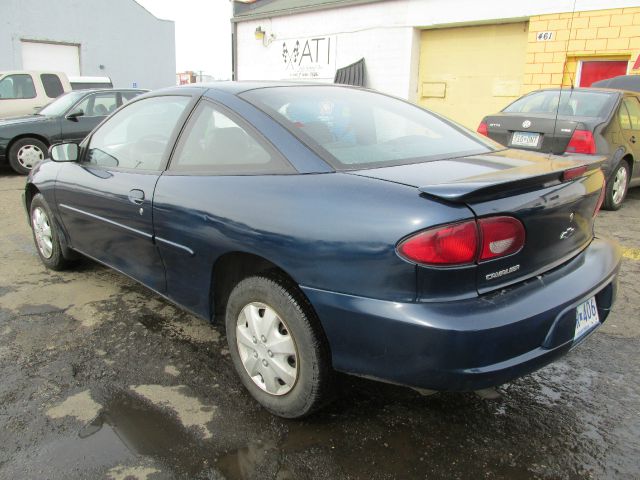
[
  {"x": 42, "y": 231},
  {"x": 619, "y": 187}
]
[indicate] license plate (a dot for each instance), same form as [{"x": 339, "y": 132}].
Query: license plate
[
  {"x": 586, "y": 317},
  {"x": 525, "y": 139}
]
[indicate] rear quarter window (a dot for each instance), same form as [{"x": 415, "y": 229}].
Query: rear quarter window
[
  {"x": 52, "y": 85},
  {"x": 566, "y": 102}
]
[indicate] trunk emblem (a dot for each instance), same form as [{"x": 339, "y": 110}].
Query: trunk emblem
[
  {"x": 526, "y": 124},
  {"x": 571, "y": 216}
]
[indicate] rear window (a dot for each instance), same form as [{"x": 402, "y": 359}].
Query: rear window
[
  {"x": 52, "y": 85},
  {"x": 353, "y": 128},
  {"x": 572, "y": 103}
]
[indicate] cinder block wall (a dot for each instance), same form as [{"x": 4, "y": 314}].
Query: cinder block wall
[{"x": 600, "y": 34}]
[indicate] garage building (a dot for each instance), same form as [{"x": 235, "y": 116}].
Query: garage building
[
  {"x": 118, "y": 39},
  {"x": 462, "y": 58}
]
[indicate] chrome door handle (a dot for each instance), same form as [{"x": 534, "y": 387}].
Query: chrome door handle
[{"x": 136, "y": 196}]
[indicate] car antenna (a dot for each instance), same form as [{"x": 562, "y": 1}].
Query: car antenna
[{"x": 564, "y": 67}]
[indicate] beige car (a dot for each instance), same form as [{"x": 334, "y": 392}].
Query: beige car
[{"x": 25, "y": 92}]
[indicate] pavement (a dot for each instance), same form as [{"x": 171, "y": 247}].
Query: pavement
[{"x": 100, "y": 378}]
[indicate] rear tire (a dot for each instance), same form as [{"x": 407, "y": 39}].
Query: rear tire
[
  {"x": 294, "y": 379},
  {"x": 46, "y": 235},
  {"x": 25, "y": 153},
  {"x": 617, "y": 187}
]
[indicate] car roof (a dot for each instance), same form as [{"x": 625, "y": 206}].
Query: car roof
[
  {"x": 236, "y": 87},
  {"x": 586, "y": 89}
]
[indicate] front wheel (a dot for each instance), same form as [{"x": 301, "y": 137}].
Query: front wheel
[
  {"x": 617, "y": 187},
  {"x": 25, "y": 153},
  {"x": 46, "y": 235},
  {"x": 277, "y": 346}
]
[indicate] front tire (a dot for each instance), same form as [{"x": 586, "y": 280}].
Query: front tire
[
  {"x": 277, "y": 346},
  {"x": 617, "y": 187},
  {"x": 46, "y": 235},
  {"x": 25, "y": 153}
]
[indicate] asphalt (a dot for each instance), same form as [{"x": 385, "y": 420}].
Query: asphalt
[{"x": 99, "y": 378}]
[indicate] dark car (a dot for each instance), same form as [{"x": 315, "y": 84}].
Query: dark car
[
  {"x": 24, "y": 140},
  {"x": 587, "y": 120},
  {"x": 621, "y": 82},
  {"x": 334, "y": 228}
]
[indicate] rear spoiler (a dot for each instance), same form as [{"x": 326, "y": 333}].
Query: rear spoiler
[{"x": 488, "y": 188}]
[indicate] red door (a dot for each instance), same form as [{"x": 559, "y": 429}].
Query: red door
[{"x": 601, "y": 70}]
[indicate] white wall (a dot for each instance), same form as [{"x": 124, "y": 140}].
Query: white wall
[
  {"x": 131, "y": 44},
  {"x": 385, "y": 33}
]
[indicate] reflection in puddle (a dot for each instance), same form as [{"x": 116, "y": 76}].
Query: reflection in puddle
[{"x": 145, "y": 430}]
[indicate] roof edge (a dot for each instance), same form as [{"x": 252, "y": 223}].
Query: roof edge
[{"x": 302, "y": 9}]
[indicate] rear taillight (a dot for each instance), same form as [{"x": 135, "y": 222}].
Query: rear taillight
[
  {"x": 600, "y": 200},
  {"x": 581, "y": 142},
  {"x": 465, "y": 243},
  {"x": 500, "y": 236},
  {"x": 455, "y": 244},
  {"x": 483, "y": 129},
  {"x": 573, "y": 173}
]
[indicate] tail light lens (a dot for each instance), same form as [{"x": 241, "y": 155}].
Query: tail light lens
[
  {"x": 464, "y": 243},
  {"x": 573, "y": 173},
  {"x": 455, "y": 244},
  {"x": 582, "y": 141},
  {"x": 483, "y": 129},
  {"x": 501, "y": 236},
  {"x": 600, "y": 200}
]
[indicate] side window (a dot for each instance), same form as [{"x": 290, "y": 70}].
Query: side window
[
  {"x": 136, "y": 137},
  {"x": 128, "y": 96},
  {"x": 214, "y": 142},
  {"x": 98, "y": 104},
  {"x": 623, "y": 116},
  {"x": 633, "y": 107},
  {"x": 52, "y": 85},
  {"x": 17, "y": 86}
]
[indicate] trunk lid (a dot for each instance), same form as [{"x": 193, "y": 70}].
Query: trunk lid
[
  {"x": 557, "y": 215},
  {"x": 514, "y": 129}
]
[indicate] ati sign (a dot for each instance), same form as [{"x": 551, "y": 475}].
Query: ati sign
[{"x": 305, "y": 58}]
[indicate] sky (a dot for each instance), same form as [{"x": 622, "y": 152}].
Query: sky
[{"x": 203, "y": 33}]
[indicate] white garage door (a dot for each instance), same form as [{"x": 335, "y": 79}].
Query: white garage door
[{"x": 51, "y": 56}]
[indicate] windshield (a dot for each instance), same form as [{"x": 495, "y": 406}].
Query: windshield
[
  {"x": 61, "y": 104},
  {"x": 353, "y": 128},
  {"x": 572, "y": 103}
]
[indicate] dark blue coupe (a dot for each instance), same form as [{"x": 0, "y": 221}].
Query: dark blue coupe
[{"x": 336, "y": 229}]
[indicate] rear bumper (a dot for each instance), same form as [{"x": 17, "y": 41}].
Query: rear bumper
[{"x": 468, "y": 344}]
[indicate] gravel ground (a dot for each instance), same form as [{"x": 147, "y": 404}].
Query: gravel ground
[{"x": 103, "y": 379}]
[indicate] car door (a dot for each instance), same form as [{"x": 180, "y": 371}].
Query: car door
[
  {"x": 630, "y": 125},
  {"x": 105, "y": 199},
  {"x": 218, "y": 159},
  {"x": 94, "y": 107}
]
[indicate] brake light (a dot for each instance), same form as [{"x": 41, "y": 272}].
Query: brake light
[
  {"x": 500, "y": 236},
  {"x": 573, "y": 173},
  {"x": 465, "y": 243},
  {"x": 600, "y": 200},
  {"x": 455, "y": 244},
  {"x": 581, "y": 142},
  {"x": 483, "y": 129}
]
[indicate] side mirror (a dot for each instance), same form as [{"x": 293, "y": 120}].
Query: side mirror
[
  {"x": 64, "y": 152},
  {"x": 73, "y": 116}
]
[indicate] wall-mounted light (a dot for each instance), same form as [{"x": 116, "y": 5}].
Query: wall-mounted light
[{"x": 260, "y": 34}]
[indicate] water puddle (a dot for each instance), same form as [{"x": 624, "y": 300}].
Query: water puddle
[{"x": 145, "y": 430}]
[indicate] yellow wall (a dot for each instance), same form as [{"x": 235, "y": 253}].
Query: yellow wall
[
  {"x": 601, "y": 34},
  {"x": 469, "y": 72}
]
